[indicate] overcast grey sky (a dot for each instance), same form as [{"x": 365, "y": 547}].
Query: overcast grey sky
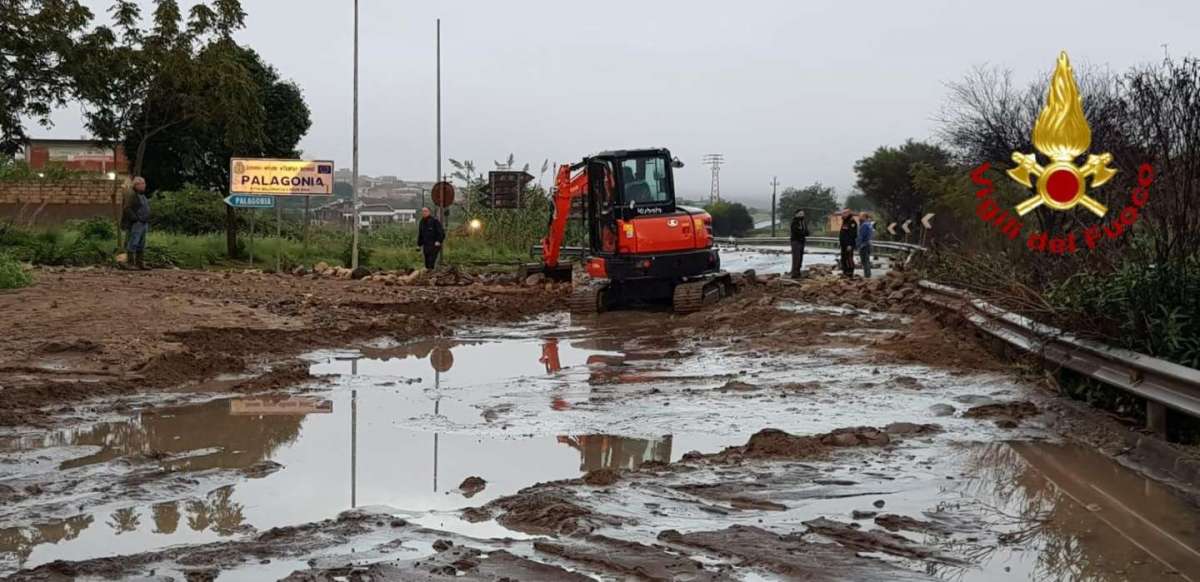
[{"x": 797, "y": 89}]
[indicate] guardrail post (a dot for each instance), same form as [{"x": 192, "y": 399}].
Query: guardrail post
[{"x": 1156, "y": 418}]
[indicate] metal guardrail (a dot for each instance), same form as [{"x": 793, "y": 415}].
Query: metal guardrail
[
  {"x": 1163, "y": 384},
  {"x": 881, "y": 247}
]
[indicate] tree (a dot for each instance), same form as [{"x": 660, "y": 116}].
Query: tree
[
  {"x": 143, "y": 82},
  {"x": 37, "y": 62},
  {"x": 859, "y": 201},
  {"x": 272, "y": 120},
  {"x": 730, "y": 218},
  {"x": 886, "y": 177},
  {"x": 817, "y": 201}
]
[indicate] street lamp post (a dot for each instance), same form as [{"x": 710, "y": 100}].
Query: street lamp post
[{"x": 354, "y": 179}]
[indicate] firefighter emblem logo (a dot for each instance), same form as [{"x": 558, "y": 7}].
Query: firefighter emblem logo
[{"x": 1061, "y": 134}]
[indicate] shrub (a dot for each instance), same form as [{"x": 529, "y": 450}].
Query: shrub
[
  {"x": 188, "y": 211},
  {"x": 12, "y": 276},
  {"x": 1153, "y": 309},
  {"x": 95, "y": 228}
]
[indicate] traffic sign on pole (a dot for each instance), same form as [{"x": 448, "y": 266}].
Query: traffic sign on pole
[
  {"x": 250, "y": 201},
  {"x": 443, "y": 194}
]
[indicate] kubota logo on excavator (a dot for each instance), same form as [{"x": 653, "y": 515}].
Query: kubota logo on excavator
[{"x": 1061, "y": 134}]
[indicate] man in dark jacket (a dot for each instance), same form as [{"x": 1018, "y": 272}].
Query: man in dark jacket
[
  {"x": 135, "y": 218},
  {"x": 429, "y": 237},
  {"x": 847, "y": 238},
  {"x": 799, "y": 238}
]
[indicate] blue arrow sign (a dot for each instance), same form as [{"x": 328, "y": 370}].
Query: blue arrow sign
[{"x": 247, "y": 201}]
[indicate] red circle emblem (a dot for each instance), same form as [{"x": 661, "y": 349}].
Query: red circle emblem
[{"x": 1062, "y": 186}]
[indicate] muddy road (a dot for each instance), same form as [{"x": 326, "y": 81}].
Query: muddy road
[{"x": 363, "y": 430}]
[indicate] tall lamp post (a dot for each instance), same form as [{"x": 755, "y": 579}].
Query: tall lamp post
[{"x": 354, "y": 179}]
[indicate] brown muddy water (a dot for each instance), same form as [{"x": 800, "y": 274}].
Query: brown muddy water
[{"x": 402, "y": 426}]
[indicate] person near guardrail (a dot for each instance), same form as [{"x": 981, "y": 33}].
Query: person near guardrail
[
  {"x": 847, "y": 237},
  {"x": 430, "y": 235},
  {"x": 799, "y": 238},
  {"x": 866, "y": 234}
]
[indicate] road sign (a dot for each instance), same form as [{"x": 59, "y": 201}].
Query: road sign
[
  {"x": 892, "y": 228},
  {"x": 443, "y": 194},
  {"x": 441, "y": 359},
  {"x": 280, "y": 177},
  {"x": 506, "y": 186},
  {"x": 250, "y": 201},
  {"x": 905, "y": 227},
  {"x": 925, "y": 220}
]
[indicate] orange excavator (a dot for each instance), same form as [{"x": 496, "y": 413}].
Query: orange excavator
[{"x": 642, "y": 247}]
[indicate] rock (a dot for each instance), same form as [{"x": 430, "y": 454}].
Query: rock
[
  {"x": 911, "y": 428},
  {"x": 397, "y": 522},
  {"x": 535, "y": 279},
  {"x": 472, "y": 485},
  {"x": 941, "y": 410},
  {"x": 600, "y": 477},
  {"x": 1006, "y": 423},
  {"x": 476, "y": 514},
  {"x": 860, "y": 514},
  {"x": 300, "y": 271},
  {"x": 879, "y": 503},
  {"x": 321, "y": 268},
  {"x": 360, "y": 273},
  {"x": 738, "y": 386},
  {"x": 261, "y": 469},
  {"x": 442, "y": 545}
]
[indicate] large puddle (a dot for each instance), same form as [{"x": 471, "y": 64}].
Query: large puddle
[{"x": 401, "y": 426}]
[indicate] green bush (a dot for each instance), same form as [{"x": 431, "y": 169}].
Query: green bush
[
  {"x": 730, "y": 218},
  {"x": 95, "y": 228},
  {"x": 63, "y": 248},
  {"x": 11, "y": 274},
  {"x": 188, "y": 211},
  {"x": 1153, "y": 309}
]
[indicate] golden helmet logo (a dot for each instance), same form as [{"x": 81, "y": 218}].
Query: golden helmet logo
[{"x": 1062, "y": 135}]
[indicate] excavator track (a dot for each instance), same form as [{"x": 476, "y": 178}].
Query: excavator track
[
  {"x": 588, "y": 299},
  {"x": 693, "y": 296}
]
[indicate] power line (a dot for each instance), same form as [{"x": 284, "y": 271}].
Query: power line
[{"x": 715, "y": 160}]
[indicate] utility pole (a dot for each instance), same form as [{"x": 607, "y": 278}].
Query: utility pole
[
  {"x": 441, "y": 211},
  {"x": 354, "y": 179},
  {"x": 774, "y": 187},
  {"x": 714, "y": 160}
]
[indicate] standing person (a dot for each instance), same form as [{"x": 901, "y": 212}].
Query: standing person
[
  {"x": 135, "y": 218},
  {"x": 847, "y": 237},
  {"x": 799, "y": 236},
  {"x": 866, "y": 234},
  {"x": 430, "y": 235}
]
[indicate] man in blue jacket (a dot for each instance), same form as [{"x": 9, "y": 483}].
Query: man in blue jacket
[{"x": 866, "y": 234}]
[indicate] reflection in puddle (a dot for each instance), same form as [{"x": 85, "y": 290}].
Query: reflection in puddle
[
  {"x": 601, "y": 451},
  {"x": 397, "y": 432},
  {"x": 1069, "y": 513}
]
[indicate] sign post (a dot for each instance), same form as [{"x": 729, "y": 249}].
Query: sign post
[
  {"x": 251, "y": 203},
  {"x": 255, "y": 182},
  {"x": 443, "y": 197},
  {"x": 506, "y": 187}
]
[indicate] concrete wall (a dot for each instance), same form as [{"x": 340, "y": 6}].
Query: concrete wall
[{"x": 52, "y": 202}]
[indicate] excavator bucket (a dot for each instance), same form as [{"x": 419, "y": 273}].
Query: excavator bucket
[{"x": 560, "y": 273}]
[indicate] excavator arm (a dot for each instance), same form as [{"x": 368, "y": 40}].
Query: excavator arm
[{"x": 567, "y": 188}]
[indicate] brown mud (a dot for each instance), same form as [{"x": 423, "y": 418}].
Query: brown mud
[
  {"x": 77, "y": 335},
  {"x": 899, "y": 500}
]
